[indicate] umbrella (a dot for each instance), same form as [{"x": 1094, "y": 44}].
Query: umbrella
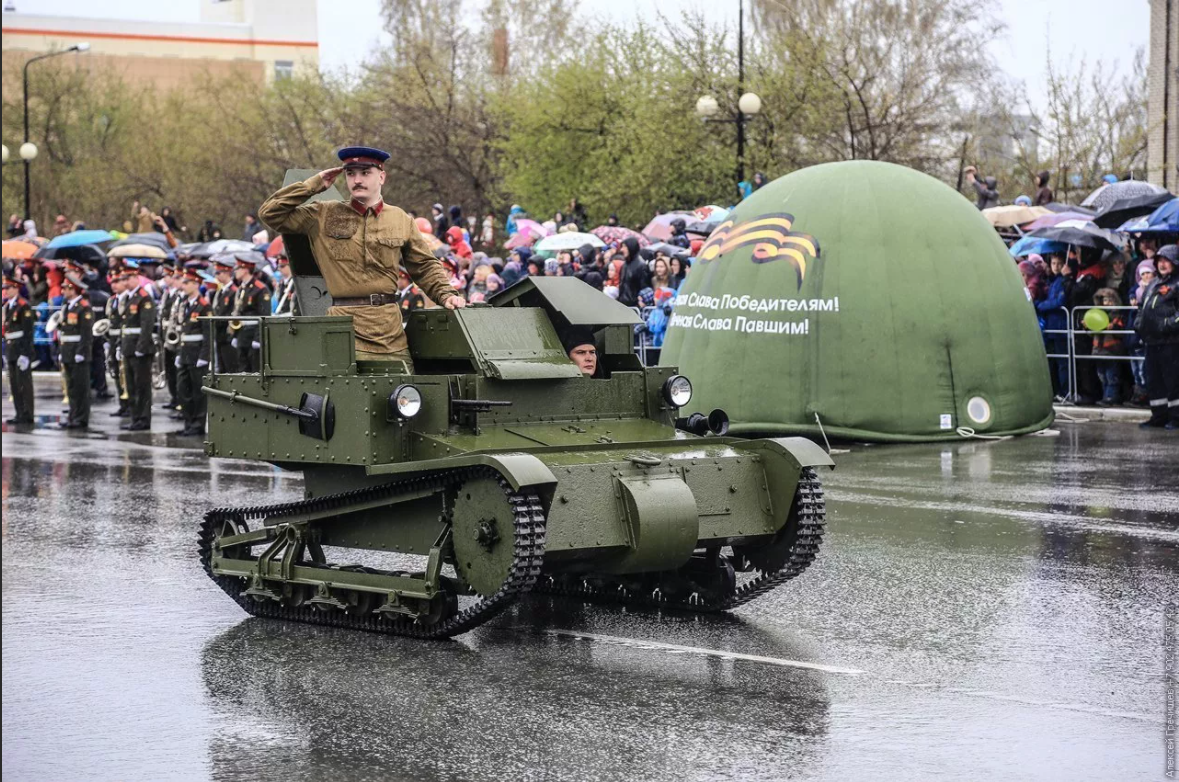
[
  {"x": 18, "y": 250},
  {"x": 1114, "y": 214},
  {"x": 1057, "y": 218},
  {"x": 1079, "y": 235},
  {"x": 1108, "y": 194},
  {"x": 209, "y": 249},
  {"x": 615, "y": 234},
  {"x": 711, "y": 213},
  {"x": 659, "y": 229},
  {"x": 539, "y": 231},
  {"x": 520, "y": 239},
  {"x": 1031, "y": 244},
  {"x": 153, "y": 238},
  {"x": 82, "y": 253},
  {"x": 276, "y": 248},
  {"x": 147, "y": 251},
  {"x": 570, "y": 240},
  {"x": 78, "y": 238},
  {"x": 1007, "y": 216},
  {"x": 1058, "y": 207},
  {"x": 667, "y": 249}
]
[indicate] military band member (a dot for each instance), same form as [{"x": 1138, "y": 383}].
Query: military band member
[
  {"x": 223, "y": 301},
  {"x": 251, "y": 301},
  {"x": 193, "y": 359},
  {"x": 360, "y": 246},
  {"x": 19, "y": 323},
  {"x": 170, "y": 310},
  {"x": 77, "y": 341},
  {"x": 114, "y": 313},
  {"x": 139, "y": 349}
]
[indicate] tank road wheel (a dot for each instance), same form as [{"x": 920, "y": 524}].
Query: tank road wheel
[{"x": 483, "y": 535}]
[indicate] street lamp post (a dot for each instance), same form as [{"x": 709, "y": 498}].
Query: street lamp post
[
  {"x": 28, "y": 150},
  {"x": 748, "y": 104}
]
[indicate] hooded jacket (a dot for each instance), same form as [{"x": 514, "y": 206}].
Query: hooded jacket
[
  {"x": 1044, "y": 194},
  {"x": 635, "y": 274},
  {"x": 1158, "y": 314}
]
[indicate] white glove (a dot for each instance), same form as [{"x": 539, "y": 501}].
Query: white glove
[
  {"x": 119, "y": 353},
  {"x": 22, "y": 363},
  {"x": 256, "y": 345},
  {"x": 79, "y": 358},
  {"x": 233, "y": 342},
  {"x": 106, "y": 349},
  {"x": 176, "y": 363},
  {"x": 138, "y": 354},
  {"x": 202, "y": 363}
]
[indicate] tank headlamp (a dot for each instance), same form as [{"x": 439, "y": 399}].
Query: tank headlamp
[
  {"x": 406, "y": 401},
  {"x": 677, "y": 391}
]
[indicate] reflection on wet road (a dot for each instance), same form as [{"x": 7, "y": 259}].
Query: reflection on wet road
[{"x": 980, "y": 610}]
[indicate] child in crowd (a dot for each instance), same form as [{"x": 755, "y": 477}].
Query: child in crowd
[{"x": 1110, "y": 344}]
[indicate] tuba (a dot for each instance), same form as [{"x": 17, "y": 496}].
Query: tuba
[
  {"x": 101, "y": 327},
  {"x": 54, "y": 321},
  {"x": 171, "y": 337}
]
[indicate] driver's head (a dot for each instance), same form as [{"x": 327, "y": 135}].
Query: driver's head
[{"x": 579, "y": 344}]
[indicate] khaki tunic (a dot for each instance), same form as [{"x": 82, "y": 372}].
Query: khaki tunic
[{"x": 360, "y": 255}]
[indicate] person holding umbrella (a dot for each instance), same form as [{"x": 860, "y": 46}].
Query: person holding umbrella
[
  {"x": 1158, "y": 326},
  {"x": 19, "y": 324}
]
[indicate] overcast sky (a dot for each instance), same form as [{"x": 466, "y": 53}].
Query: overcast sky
[{"x": 1089, "y": 29}]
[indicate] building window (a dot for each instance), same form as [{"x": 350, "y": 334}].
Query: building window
[{"x": 283, "y": 69}]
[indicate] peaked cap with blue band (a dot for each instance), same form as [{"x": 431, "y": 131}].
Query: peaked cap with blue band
[{"x": 361, "y": 157}]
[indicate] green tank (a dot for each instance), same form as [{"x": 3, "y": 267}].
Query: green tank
[{"x": 496, "y": 469}]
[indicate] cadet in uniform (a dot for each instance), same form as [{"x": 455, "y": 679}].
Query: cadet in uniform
[
  {"x": 193, "y": 358},
  {"x": 170, "y": 312},
  {"x": 77, "y": 342},
  {"x": 223, "y": 301},
  {"x": 139, "y": 349},
  {"x": 114, "y": 313},
  {"x": 284, "y": 293},
  {"x": 360, "y": 246},
  {"x": 252, "y": 300},
  {"x": 19, "y": 322}
]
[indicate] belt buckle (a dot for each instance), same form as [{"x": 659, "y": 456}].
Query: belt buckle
[{"x": 375, "y": 299}]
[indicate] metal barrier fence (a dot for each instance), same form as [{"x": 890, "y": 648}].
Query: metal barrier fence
[{"x": 1070, "y": 335}]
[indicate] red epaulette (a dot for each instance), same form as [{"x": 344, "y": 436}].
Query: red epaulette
[
  {"x": 20, "y": 301},
  {"x": 260, "y": 284},
  {"x": 203, "y": 301}
]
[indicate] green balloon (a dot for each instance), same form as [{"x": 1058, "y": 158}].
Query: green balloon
[{"x": 1096, "y": 320}]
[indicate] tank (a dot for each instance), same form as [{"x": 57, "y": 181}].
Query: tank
[{"x": 494, "y": 470}]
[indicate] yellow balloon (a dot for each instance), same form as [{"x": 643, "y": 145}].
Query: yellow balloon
[{"x": 1096, "y": 320}]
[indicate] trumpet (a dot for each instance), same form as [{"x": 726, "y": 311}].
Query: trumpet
[
  {"x": 235, "y": 325},
  {"x": 171, "y": 337},
  {"x": 54, "y": 321},
  {"x": 101, "y": 327}
]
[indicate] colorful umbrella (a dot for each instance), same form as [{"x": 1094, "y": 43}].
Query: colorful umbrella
[
  {"x": 569, "y": 240},
  {"x": 711, "y": 213},
  {"x": 1031, "y": 244},
  {"x": 615, "y": 234},
  {"x": 659, "y": 229},
  {"x": 520, "y": 239},
  {"x": 538, "y": 230},
  {"x": 78, "y": 238},
  {"x": 276, "y": 248},
  {"x": 1049, "y": 220},
  {"x": 18, "y": 250}
]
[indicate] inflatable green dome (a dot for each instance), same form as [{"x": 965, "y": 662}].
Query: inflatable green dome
[{"x": 869, "y": 294}]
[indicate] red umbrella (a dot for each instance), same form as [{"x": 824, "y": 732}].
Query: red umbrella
[
  {"x": 614, "y": 234},
  {"x": 276, "y": 248},
  {"x": 659, "y": 229}
]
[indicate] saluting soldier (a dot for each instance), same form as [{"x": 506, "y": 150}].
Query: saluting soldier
[
  {"x": 77, "y": 341},
  {"x": 223, "y": 301},
  {"x": 139, "y": 349},
  {"x": 193, "y": 358},
  {"x": 19, "y": 323},
  {"x": 252, "y": 301},
  {"x": 360, "y": 246}
]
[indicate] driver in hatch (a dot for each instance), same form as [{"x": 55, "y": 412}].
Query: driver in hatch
[
  {"x": 361, "y": 246},
  {"x": 579, "y": 344}
]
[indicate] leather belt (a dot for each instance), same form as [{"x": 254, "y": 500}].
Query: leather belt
[{"x": 372, "y": 300}]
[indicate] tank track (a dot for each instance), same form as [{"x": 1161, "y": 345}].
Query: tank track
[
  {"x": 529, "y": 544},
  {"x": 811, "y": 524}
]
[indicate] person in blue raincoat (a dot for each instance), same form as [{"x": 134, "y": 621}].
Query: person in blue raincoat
[
  {"x": 510, "y": 226},
  {"x": 1054, "y": 318}
]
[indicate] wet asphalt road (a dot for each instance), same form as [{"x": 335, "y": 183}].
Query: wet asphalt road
[{"x": 979, "y": 611}]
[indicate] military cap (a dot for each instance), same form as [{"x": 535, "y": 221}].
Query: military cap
[
  {"x": 10, "y": 280},
  {"x": 192, "y": 275},
  {"x": 221, "y": 265},
  {"x": 362, "y": 157},
  {"x": 75, "y": 282},
  {"x": 244, "y": 259}
]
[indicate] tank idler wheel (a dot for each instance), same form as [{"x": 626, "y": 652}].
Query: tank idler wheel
[{"x": 482, "y": 533}]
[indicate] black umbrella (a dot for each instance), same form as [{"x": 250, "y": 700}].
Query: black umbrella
[
  {"x": 1097, "y": 238},
  {"x": 152, "y": 238},
  {"x": 703, "y": 227},
  {"x": 1123, "y": 209},
  {"x": 1062, "y": 208},
  {"x": 82, "y": 253},
  {"x": 669, "y": 250}
]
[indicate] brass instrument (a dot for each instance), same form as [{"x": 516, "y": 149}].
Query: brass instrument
[
  {"x": 54, "y": 321},
  {"x": 173, "y": 325},
  {"x": 101, "y": 327},
  {"x": 235, "y": 325}
]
